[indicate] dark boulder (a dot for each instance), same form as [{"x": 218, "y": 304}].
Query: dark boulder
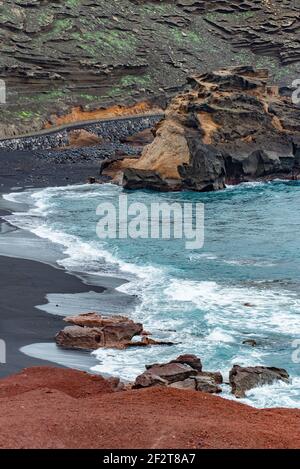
[
  {"x": 191, "y": 360},
  {"x": 214, "y": 376},
  {"x": 91, "y": 331},
  {"x": 143, "y": 179},
  {"x": 189, "y": 383},
  {"x": 85, "y": 338},
  {"x": 146, "y": 341},
  {"x": 148, "y": 379},
  {"x": 173, "y": 372},
  {"x": 251, "y": 342},
  {"x": 185, "y": 372},
  {"x": 243, "y": 379},
  {"x": 207, "y": 384}
]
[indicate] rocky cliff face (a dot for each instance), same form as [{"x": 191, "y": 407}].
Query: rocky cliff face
[
  {"x": 61, "y": 55},
  {"x": 231, "y": 125}
]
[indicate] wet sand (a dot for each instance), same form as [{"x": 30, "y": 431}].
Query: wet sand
[{"x": 25, "y": 283}]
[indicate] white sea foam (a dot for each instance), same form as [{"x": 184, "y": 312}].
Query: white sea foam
[
  {"x": 218, "y": 335},
  {"x": 168, "y": 304},
  {"x": 236, "y": 306},
  {"x": 279, "y": 394},
  {"x": 246, "y": 185},
  {"x": 248, "y": 262}
]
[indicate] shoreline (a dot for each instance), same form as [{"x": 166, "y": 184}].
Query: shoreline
[
  {"x": 53, "y": 280},
  {"x": 47, "y": 397},
  {"x": 28, "y": 319},
  {"x": 25, "y": 282}
]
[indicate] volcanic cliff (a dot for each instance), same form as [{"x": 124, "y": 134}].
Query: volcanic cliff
[
  {"x": 230, "y": 126},
  {"x": 65, "y": 60}
]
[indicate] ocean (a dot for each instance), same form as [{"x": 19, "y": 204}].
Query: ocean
[{"x": 244, "y": 283}]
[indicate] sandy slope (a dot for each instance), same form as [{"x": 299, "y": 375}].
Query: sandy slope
[{"x": 56, "y": 408}]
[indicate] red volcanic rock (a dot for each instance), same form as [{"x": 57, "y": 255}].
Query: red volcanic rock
[
  {"x": 58, "y": 408},
  {"x": 185, "y": 372},
  {"x": 169, "y": 373},
  {"x": 77, "y": 384}
]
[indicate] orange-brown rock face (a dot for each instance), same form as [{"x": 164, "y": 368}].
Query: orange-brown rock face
[
  {"x": 82, "y": 138},
  {"x": 78, "y": 114},
  {"x": 229, "y": 126}
]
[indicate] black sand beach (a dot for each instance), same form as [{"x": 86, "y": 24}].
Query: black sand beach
[
  {"x": 25, "y": 283},
  {"x": 24, "y": 169}
]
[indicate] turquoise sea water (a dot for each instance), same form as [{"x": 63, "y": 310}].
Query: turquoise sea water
[{"x": 243, "y": 284}]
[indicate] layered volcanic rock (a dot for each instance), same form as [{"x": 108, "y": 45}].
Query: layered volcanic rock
[
  {"x": 64, "y": 59},
  {"x": 230, "y": 126}
]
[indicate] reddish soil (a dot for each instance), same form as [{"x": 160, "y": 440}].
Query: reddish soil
[
  {"x": 57, "y": 408},
  {"x": 78, "y": 114}
]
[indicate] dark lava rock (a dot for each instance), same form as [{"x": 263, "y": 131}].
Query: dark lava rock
[
  {"x": 207, "y": 384},
  {"x": 243, "y": 379},
  {"x": 189, "y": 383},
  {"x": 148, "y": 379},
  {"x": 76, "y": 337},
  {"x": 215, "y": 376},
  {"x": 191, "y": 360},
  {"x": 250, "y": 342},
  {"x": 91, "y": 331},
  {"x": 173, "y": 372},
  {"x": 185, "y": 372}
]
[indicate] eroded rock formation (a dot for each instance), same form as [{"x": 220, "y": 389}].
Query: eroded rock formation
[
  {"x": 91, "y": 331},
  {"x": 230, "y": 126}
]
